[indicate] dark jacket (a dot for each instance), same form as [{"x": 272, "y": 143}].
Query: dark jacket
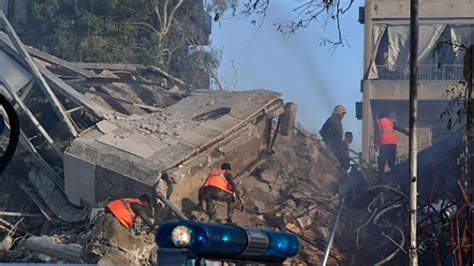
[
  {"x": 142, "y": 212},
  {"x": 344, "y": 157},
  {"x": 332, "y": 132},
  {"x": 230, "y": 179}
]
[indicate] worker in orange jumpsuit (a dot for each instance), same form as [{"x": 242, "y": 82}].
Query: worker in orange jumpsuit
[
  {"x": 127, "y": 209},
  {"x": 219, "y": 186},
  {"x": 386, "y": 141}
]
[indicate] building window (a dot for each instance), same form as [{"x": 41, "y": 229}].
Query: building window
[{"x": 440, "y": 53}]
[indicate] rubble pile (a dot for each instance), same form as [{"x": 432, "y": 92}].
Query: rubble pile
[
  {"x": 93, "y": 132},
  {"x": 296, "y": 188}
]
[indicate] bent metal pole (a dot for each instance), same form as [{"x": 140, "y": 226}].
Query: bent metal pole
[
  {"x": 333, "y": 230},
  {"x": 412, "y": 255}
]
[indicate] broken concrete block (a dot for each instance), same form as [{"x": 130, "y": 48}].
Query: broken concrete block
[
  {"x": 45, "y": 258},
  {"x": 199, "y": 216},
  {"x": 45, "y": 245},
  {"x": 269, "y": 175},
  {"x": 323, "y": 232},
  {"x": 293, "y": 228},
  {"x": 288, "y": 119},
  {"x": 304, "y": 221},
  {"x": 5, "y": 246}
]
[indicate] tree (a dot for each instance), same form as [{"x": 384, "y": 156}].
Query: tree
[
  {"x": 459, "y": 112},
  {"x": 163, "y": 33}
]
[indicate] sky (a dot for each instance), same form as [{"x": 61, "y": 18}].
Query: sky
[{"x": 298, "y": 66}]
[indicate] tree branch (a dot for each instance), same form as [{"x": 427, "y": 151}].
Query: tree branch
[
  {"x": 307, "y": 12},
  {"x": 173, "y": 12}
]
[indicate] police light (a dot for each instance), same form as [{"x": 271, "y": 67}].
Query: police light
[{"x": 227, "y": 242}]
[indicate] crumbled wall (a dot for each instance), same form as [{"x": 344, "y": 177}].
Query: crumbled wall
[{"x": 240, "y": 150}]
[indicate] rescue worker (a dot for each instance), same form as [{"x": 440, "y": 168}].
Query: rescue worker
[
  {"x": 219, "y": 186},
  {"x": 331, "y": 131},
  {"x": 126, "y": 210},
  {"x": 386, "y": 141},
  {"x": 345, "y": 158},
  {"x": 113, "y": 230}
]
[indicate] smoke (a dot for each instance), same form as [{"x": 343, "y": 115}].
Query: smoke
[{"x": 261, "y": 57}]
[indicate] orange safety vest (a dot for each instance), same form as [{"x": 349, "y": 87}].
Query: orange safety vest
[
  {"x": 217, "y": 179},
  {"x": 387, "y": 132},
  {"x": 122, "y": 210}
]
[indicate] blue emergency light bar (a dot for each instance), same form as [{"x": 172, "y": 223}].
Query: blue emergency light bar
[{"x": 227, "y": 242}]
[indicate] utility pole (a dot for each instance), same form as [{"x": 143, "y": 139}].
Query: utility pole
[{"x": 413, "y": 256}]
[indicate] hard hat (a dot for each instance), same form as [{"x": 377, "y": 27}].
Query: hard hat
[{"x": 339, "y": 110}]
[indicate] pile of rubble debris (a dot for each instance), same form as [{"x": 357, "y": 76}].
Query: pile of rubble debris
[
  {"x": 92, "y": 132},
  {"x": 297, "y": 189}
]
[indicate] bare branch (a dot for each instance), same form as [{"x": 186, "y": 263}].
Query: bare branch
[
  {"x": 309, "y": 11},
  {"x": 157, "y": 12},
  {"x": 165, "y": 13},
  {"x": 173, "y": 12},
  {"x": 348, "y": 7},
  {"x": 165, "y": 18}
]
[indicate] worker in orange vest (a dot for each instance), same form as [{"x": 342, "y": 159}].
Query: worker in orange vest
[
  {"x": 386, "y": 142},
  {"x": 219, "y": 186},
  {"x": 127, "y": 209}
]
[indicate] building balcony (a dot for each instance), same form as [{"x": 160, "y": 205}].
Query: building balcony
[{"x": 425, "y": 72}]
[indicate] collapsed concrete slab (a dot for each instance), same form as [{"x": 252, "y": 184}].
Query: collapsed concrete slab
[{"x": 125, "y": 156}]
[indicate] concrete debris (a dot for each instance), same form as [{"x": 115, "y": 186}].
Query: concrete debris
[
  {"x": 45, "y": 245},
  {"x": 109, "y": 242},
  {"x": 5, "y": 246},
  {"x": 98, "y": 132},
  {"x": 55, "y": 198}
]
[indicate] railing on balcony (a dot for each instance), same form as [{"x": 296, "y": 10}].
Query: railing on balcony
[{"x": 425, "y": 72}]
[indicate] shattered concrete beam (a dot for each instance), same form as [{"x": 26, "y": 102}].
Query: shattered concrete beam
[
  {"x": 52, "y": 97},
  {"x": 69, "y": 92},
  {"x": 59, "y": 85},
  {"x": 20, "y": 214},
  {"x": 33, "y": 119},
  {"x": 97, "y": 81},
  {"x": 168, "y": 76},
  {"x": 26, "y": 143},
  {"x": 70, "y": 252},
  {"x": 60, "y": 62},
  {"x": 130, "y": 67},
  {"x": 27, "y": 90},
  {"x": 43, "y": 209},
  {"x": 112, "y": 67}
]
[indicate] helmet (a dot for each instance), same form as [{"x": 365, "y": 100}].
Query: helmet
[
  {"x": 339, "y": 110},
  {"x": 225, "y": 166}
]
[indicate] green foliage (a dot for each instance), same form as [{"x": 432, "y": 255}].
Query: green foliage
[{"x": 125, "y": 31}]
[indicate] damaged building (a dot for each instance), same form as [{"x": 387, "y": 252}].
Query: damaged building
[
  {"x": 445, "y": 33},
  {"x": 126, "y": 156},
  {"x": 92, "y": 132}
]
